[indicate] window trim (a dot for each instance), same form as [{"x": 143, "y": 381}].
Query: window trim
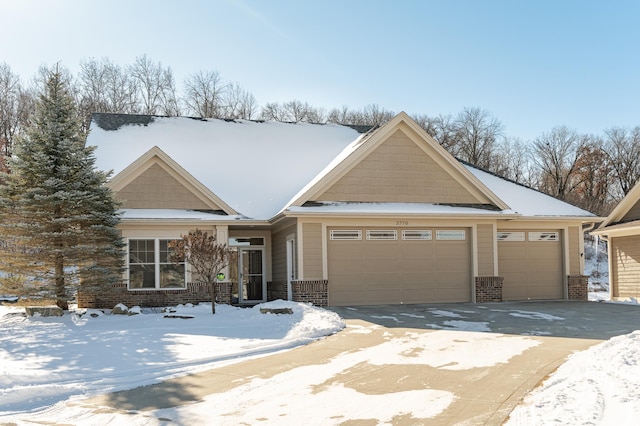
[
  {"x": 157, "y": 265},
  {"x": 510, "y": 236},
  {"x": 544, "y": 236},
  {"x": 417, "y": 235},
  {"x": 451, "y": 235},
  {"x": 382, "y": 235},
  {"x": 345, "y": 235}
]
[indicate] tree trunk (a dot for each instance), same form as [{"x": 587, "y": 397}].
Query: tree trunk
[
  {"x": 61, "y": 294},
  {"x": 214, "y": 297}
]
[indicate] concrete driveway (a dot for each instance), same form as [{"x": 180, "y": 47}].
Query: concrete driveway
[{"x": 473, "y": 364}]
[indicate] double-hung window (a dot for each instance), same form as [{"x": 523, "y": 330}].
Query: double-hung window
[{"x": 150, "y": 265}]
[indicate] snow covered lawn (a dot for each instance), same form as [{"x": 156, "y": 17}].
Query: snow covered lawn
[
  {"x": 47, "y": 360},
  {"x": 598, "y": 386}
]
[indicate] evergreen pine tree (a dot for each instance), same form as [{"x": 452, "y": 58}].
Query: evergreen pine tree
[{"x": 57, "y": 218}]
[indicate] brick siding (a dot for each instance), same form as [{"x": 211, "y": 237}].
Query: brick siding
[
  {"x": 578, "y": 287},
  {"x": 277, "y": 290},
  {"x": 194, "y": 293},
  {"x": 489, "y": 289},
  {"x": 314, "y": 292}
]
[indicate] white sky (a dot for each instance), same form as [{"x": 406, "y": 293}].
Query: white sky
[{"x": 532, "y": 64}]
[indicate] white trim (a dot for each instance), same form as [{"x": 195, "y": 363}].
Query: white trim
[
  {"x": 451, "y": 234},
  {"x": 156, "y": 265},
  {"x": 300, "y": 248},
  {"x": 325, "y": 253},
  {"x": 417, "y": 235},
  {"x": 544, "y": 236},
  {"x": 474, "y": 261},
  {"x": 510, "y": 236},
  {"x": 382, "y": 234},
  {"x": 291, "y": 263},
  {"x": 567, "y": 260},
  {"x": 346, "y": 234},
  {"x": 496, "y": 265}
]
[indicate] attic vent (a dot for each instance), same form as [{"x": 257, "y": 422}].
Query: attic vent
[
  {"x": 377, "y": 234},
  {"x": 544, "y": 236},
  {"x": 346, "y": 234}
]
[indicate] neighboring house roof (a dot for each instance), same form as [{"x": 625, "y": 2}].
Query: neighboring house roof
[
  {"x": 625, "y": 216},
  {"x": 259, "y": 169}
]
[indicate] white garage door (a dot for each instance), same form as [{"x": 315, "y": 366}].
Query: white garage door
[
  {"x": 531, "y": 263},
  {"x": 372, "y": 266}
]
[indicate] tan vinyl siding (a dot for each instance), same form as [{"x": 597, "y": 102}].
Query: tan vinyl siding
[
  {"x": 574, "y": 251},
  {"x": 626, "y": 265},
  {"x": 398, "y": 171},
  {"x": 633, "y": 213},
  {"x": 485, "y": 244},
  {"x": 279, "y": 252},
  {"x": 155, "y": 188},
  {"x": 312, "y": 251}
]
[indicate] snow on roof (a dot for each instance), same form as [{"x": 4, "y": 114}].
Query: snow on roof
[
  {"x": 259, "y": 168},
  {"x": 394, "y": 208},
  {"x": 255, "y": 167},
  {"x": 173, "y": 214},
  {"x": 526, "y": 201}
]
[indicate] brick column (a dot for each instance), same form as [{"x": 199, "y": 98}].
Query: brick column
[
  {"x": 489, "y": 289},
  {"x": 314, "y": 292},
  {"x": 578, "y": 287},
  {"x": 277, "y": 290}
]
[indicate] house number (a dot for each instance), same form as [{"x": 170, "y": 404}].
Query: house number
[{"x": 402, "y": 222}]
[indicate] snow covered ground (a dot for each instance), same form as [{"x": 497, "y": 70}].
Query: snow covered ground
[
  {"x": 45, "y": 362},
  {"x": 598, "y": 386}
]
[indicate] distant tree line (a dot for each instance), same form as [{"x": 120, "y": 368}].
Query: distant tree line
[{"x": 590, "y": 171}]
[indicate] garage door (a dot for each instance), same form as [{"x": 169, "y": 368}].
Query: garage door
[
  {"x": 372, "y": 266},
  {"x": 531, "y": 263}
]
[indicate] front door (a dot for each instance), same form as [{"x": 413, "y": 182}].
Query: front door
[{"x": 251, "y": 277}]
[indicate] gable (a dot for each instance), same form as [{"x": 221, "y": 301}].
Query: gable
[
  {"x": 633, "y": 213},
  {"x": 627, "y": 210},
  {"x": 401, "y": 170},
  {"x": 156, "y": 181},
  {"x": 156, "y": 188}
]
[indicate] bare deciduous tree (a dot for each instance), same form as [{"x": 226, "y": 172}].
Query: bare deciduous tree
[
  {"x": 339, "y": 115},
  {"x": 556, "y": 155},
  {"x": 273, "y": 111},
  {"x": 11, "y": 106},
  {"x": 204, "y": 94},
  {"x": 205, "y": 256},
  {"x": 155, "y": 86},
  {"x": 442, "y": 128},
  {"x": 622, "y": 147},
  {"x": 511, "y": 160},
  {"x": 240, "y": 104},
  {"x": 595, "y": 177},
  {"x": 477, "y": 132}
]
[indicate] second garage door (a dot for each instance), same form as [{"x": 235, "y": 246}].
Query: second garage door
[
  {"x": 531, "y": 263},
  {"x": 391, "y": 266}
]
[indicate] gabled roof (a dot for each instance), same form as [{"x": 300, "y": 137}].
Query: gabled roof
[
  {"x": 617, "y": 216},
  {"x": 255, "y": 167},
  {"x": 359, "y": 149},
  {"x": 258, "y": 169},
  {"x": 156, "y": 156}
]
